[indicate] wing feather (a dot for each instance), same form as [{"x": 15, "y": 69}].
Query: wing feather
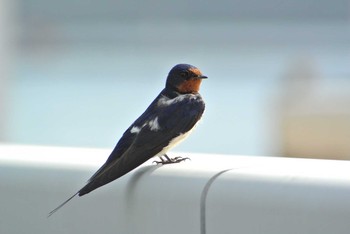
[{"x": 173, "y": 120}]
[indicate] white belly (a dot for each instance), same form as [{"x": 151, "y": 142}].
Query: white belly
[{"x": 174, "y": 142}]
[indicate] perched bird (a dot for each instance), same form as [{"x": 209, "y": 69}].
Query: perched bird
[{"x": 168, "y": 120}]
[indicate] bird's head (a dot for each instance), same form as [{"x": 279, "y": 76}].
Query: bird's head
[{"x": 184, "y": 78}]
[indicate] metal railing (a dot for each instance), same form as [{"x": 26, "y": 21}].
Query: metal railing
[{"x": 209, "y": 194}]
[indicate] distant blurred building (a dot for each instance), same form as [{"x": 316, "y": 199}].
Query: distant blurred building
[
  {"x": 315, "y": 114},
  {"x": 76, "y": 61}
]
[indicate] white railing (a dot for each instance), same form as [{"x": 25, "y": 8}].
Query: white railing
[{"x": 209, "y": 194}]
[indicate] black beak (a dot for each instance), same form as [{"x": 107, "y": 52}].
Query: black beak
[{"x": 202, "y": 77}]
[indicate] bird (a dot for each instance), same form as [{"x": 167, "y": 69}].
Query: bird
[{"x": 167, "y": 121}]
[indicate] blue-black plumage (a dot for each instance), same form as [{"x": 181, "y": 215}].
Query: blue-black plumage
[{"x": 166, "y": 122}]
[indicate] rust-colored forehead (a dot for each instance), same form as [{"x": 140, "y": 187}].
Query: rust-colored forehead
[{"x": 195, "y": 71}]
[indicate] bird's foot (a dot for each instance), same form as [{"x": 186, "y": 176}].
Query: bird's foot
[
  {"x": 162, "y": 161},
  {"x": 170, "y": 160}
]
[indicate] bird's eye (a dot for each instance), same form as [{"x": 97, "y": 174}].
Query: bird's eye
[{"x": 184, "y": 74}]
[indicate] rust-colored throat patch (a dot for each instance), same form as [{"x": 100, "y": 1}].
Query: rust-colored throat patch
[{"x": 190, "y": 86}]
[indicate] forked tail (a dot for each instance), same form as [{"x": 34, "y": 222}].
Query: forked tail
[{"x": 60, "y": 206}]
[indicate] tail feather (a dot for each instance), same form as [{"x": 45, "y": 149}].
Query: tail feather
[
  {"x": 60, "y": 206},
  {"x": 113, "y": 171}
]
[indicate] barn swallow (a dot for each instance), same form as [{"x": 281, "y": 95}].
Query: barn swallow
[{"x": 168, "y": 120}]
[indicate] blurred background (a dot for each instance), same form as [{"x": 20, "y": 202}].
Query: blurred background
[{"x": 77, "y": 73}]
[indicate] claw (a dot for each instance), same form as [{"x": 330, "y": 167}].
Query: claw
[
  {"x": 162, "y": 161},
  {"x": 180, "y": 159}
]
